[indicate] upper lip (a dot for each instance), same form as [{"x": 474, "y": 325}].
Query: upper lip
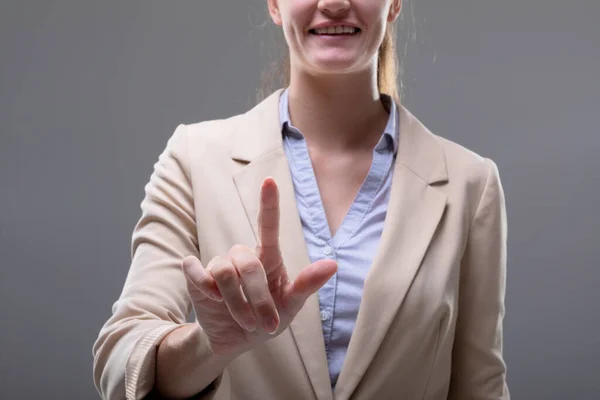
[{"x": 328, "y": 24}]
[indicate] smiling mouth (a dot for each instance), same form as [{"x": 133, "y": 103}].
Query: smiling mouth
[{"x": 335, "y": 31}]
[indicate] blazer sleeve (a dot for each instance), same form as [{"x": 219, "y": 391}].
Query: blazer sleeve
[
  {"x": 478, "y": 367},
  {"x": 154, "y": 300}
]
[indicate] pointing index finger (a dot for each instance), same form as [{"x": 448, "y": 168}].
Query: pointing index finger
[{"x": 268, "y": 216}]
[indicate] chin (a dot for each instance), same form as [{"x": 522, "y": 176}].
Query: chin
[{"x": 335, "y": 65}]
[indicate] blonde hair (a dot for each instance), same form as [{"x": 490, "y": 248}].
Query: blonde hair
[
  {"x": 388, "y": 65},
  {"x": 277, "y": 73}
]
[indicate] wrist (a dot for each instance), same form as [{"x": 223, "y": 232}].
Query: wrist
[{"x": 185, "y": 362}]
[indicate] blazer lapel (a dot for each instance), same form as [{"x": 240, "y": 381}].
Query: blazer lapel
[
  {"x": 414, "y": 212},
  {"x": 258, "y": 142}
]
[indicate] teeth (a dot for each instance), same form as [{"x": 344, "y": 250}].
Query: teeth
[{"x": 336, "y": 30}]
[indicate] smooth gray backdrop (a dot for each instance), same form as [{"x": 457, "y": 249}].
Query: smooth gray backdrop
[{"x": 90, "y": 91}]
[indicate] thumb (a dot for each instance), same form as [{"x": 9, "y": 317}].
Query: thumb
[
  {"x": 198, "y": 280},
  {"x": 308, "y": 282}
]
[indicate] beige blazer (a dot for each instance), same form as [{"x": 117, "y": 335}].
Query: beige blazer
[{"x": 430, "y": 322}]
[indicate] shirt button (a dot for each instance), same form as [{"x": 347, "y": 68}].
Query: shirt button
[
  {"x": 327, "y": 250},
  {"x": 324, "y": 315}
]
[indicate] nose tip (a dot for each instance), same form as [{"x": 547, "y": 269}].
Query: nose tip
[{"x": 334, "y": 6}]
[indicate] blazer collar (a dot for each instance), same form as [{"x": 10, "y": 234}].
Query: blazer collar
[{"x": 259, "y": 133}]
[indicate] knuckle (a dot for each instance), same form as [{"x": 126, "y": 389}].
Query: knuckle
[
  {"x": 239, "y": 248},
  {"x": 202, "y": 282},
  {"x": 249, "y": 266},
  {"x": 225, "y": 274},
  {"x": 215, "y": 263},
  {"x": 269, "y": 221},
  {"x": 270, "y": 256}
]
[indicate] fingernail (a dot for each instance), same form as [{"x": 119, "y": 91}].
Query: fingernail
[
  {"x": 270, "y": 325},
  {"x": 250, "y": 325}
]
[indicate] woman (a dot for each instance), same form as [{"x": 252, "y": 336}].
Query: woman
[{"x": 327, "y": 209}]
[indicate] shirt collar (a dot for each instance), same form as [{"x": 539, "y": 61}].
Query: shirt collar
[{"x": 390, "y": 136}]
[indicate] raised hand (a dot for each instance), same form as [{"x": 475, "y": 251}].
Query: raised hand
[{"x": 246, "y": 297}]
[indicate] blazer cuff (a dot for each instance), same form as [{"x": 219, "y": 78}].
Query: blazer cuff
[{"x": 140, "y": 370}]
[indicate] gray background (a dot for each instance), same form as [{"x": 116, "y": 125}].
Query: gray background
[{"x": 91, "y": 91}]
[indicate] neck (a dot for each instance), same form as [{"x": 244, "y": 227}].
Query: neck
[{"x": 337, "y": 112}]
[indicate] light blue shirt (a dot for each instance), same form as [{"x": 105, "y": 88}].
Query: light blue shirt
[{"x": 356, "y": 240}]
